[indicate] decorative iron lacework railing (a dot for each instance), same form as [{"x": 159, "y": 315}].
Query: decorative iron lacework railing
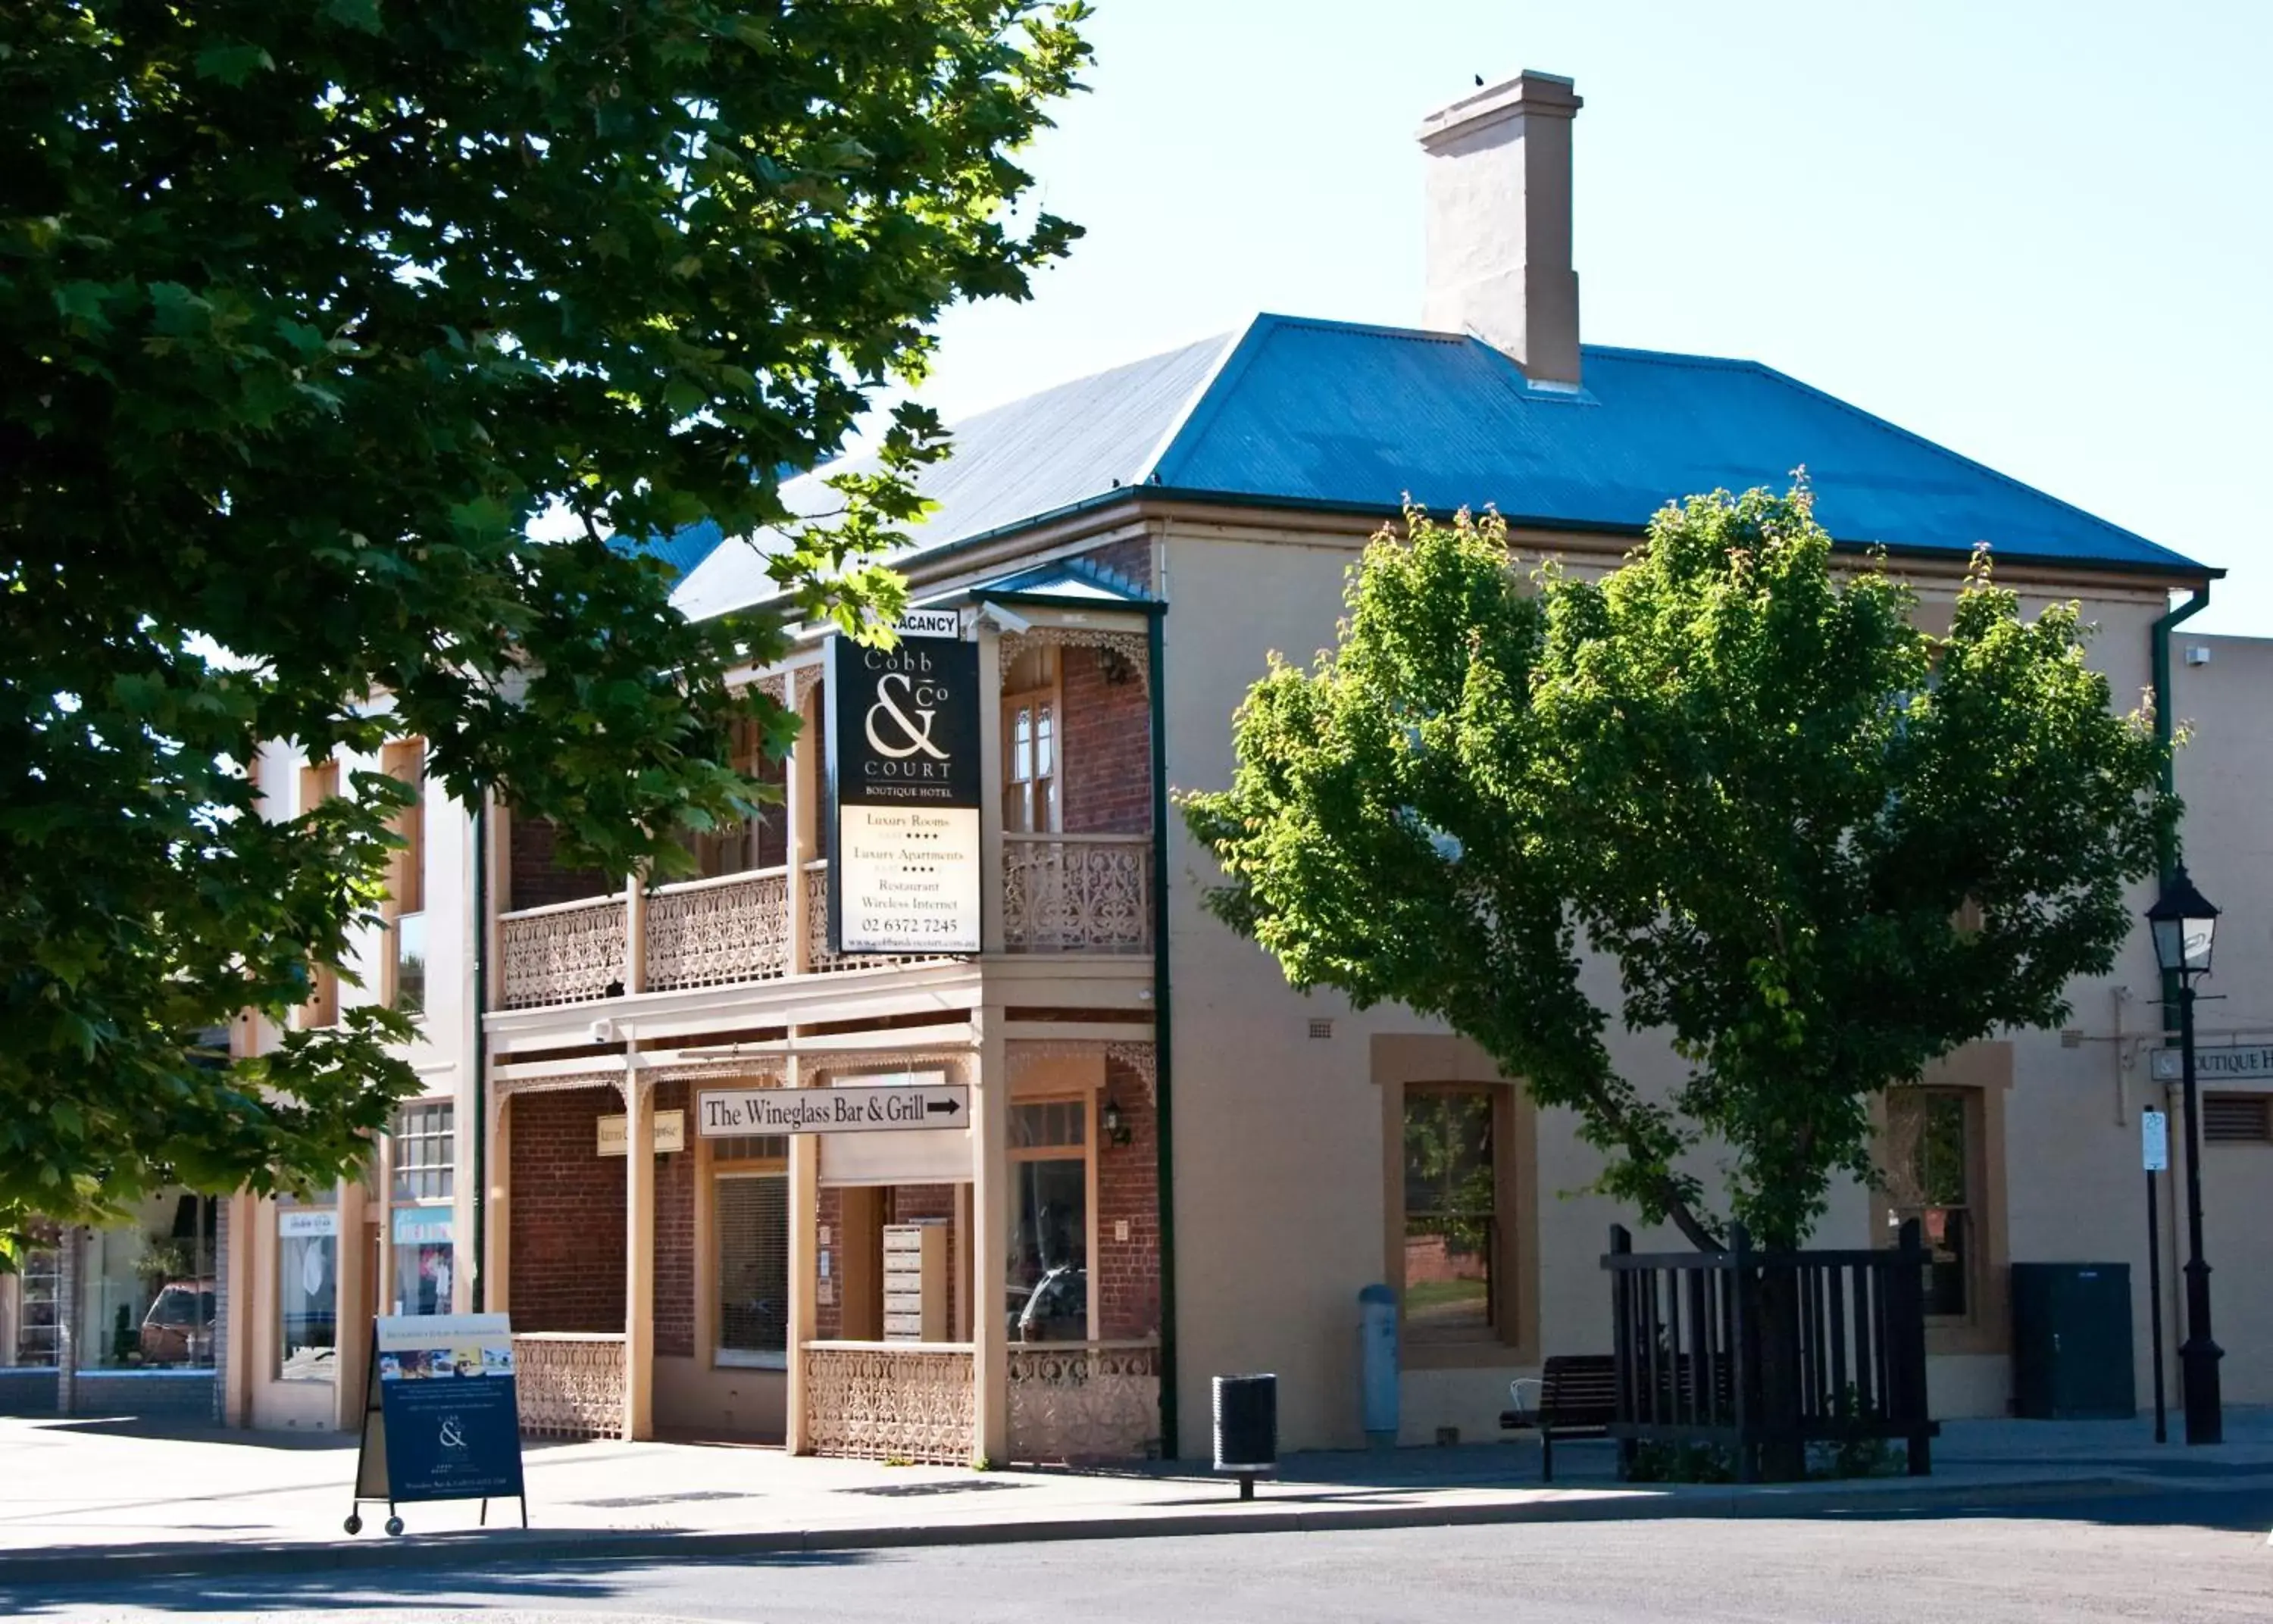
[
  {"x": 569, "y": 952},
  {"x": 710, "y": 933},
  {"x": 1085, "y": 1401},
  {"x": 1076, "y": 893},
  {"x": 881, "y": 1400},
  {"x": 569, "y": 1384}
]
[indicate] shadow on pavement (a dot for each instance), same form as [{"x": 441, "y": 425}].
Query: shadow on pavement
[{"x": 332, "y": 1589}]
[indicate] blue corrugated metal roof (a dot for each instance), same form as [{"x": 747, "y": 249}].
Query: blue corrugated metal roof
[
  {"x": 1075, "y": 580},
  {"x": 682, "y": 550},
  {"x": 1036, "y": 455},
  {"x": 1332, "y": 414},
  {"x": 1328, "y": 415}
]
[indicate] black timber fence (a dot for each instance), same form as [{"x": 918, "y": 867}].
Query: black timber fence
[{"x": 1764, "y": 1353}]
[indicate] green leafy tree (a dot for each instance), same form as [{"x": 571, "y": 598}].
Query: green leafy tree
[
  {"x": 1818, "y": 845},
  {"x": 307, "y": 310}
]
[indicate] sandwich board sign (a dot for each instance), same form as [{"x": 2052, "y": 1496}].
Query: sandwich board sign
[
  {"x": 903, "y": 787},
  {"x": 442, "y": 1419}
]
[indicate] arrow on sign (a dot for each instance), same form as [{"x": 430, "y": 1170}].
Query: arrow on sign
[{"x": 947, "y": 1105}]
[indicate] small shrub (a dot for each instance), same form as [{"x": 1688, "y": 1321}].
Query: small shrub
[{"x": 1680, "y": 1462}]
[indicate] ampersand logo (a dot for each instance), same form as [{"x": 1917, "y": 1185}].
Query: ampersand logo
[
  {"x": 453, "y": 1437},
  {"x": 914, "y": 733}
]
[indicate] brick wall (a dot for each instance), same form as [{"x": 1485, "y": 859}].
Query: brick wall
[
  {"x": 829, "y": 1316},
  {"x": 565, "y": 1214},
  {"x": 1108, "y": 759},
  {"x": 1127, "y": 1274},
  {"x": 1132, "y": 558},
  {"x": 534, "y": 878},
  {"x": 674, "y": 1234}
]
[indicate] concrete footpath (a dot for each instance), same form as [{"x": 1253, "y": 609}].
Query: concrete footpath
[{"x": 86, "y": 1496}]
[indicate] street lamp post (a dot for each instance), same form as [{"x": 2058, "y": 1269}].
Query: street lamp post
[{"x": 2184, "y": 922}]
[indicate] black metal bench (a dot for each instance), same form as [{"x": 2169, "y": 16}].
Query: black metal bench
[{"x": 1578, "y": 1398}]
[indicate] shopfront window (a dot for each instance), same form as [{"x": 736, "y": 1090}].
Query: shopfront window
[
  {"x": 307, "y": 1290},
  {"x": 750, "y": 1217},
  {"x": 1930, "y": 1135},
  {"x": 39, "y": 1306},
  {"x": 1450, "y": 1214},
  {"x": 425, "y": 1171},
  {"x": 146, "y": 1288},
  {"x": 1048, "y": 1285}
]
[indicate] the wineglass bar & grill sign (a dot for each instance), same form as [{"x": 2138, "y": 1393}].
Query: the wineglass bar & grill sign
[{"x": 903, "y": 780}]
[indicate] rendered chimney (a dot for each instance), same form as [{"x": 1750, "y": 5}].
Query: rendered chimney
[{"x": 1499, "y": 223}]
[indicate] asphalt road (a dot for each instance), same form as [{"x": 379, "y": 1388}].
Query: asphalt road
[{"x": 2169, "y": 1559}]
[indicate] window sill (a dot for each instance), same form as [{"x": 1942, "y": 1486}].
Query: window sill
[
  {"x": 747, "y": 1359},
  {"x": 1484, "y": 1353}
]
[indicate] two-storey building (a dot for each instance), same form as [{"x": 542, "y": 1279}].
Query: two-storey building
[{"x": 1173, "y": 1166}]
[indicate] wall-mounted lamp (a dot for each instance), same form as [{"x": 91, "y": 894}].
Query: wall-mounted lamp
[
  {"x": 1116, "y": 667},
  {"x": 1116, "y": 1125}
]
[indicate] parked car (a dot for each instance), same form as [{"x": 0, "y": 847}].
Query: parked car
[
  {"x": 1056, "y": 1310},
  {"x": 179, "y": 1327}
]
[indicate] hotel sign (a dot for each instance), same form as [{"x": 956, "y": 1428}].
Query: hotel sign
[
  {"x": 2226, "y": 1064},
  {"x": 903, "y": 780}
]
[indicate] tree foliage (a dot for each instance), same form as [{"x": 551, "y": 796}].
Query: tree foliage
[
  {"x": 1811, "y": 846},
  {"x": 307, "y": 308}
]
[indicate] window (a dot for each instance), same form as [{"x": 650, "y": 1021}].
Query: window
[
  {"x": 749, "y": 1213},
  {"x": 1930, "y": 1177},
  {"x": 319, "y": 782},
  {"x": 422, "y": 1215},
  {"x": 307, "y": 1290},
  {"x": 1048, "y": 1285},
  {"x": 39, "y": 1307},
  {"x": 1452, "y": 1223},
  {"x": 1030, "y": 709},
  {"x": 406, "y": 878},
  {"x": 2237, "y": 1119},
  {"x": 762, "y": 843}
]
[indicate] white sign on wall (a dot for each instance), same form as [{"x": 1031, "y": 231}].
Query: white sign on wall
[
  {"x": 302, "y": 1223},
  {"x": 670, "y": 1133},
  {"x": 2226, "y": 1065}
]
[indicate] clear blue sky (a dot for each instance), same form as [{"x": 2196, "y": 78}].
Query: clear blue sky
[{"x": 2041, "y": 234}]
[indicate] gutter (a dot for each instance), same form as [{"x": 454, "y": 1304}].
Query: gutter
[
  {"x": 481, "y": 1057},
  {"x": 1163, "y": 1045},
  {"x": 2158, "y": 644}
]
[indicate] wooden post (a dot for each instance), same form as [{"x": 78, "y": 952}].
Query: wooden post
[
  {"x": 1621, "y": 1336},
  {"x": 497, "y": 1235},
  {"x": 990, "y": 1250},
  {"x": 385, "y": 1296},
  {"x": 799, "y": 793},
  {"x": 804, "y": 1214},
  {"x": 636, "y": 934},
  {"x": 639, "y": 1255},
  {"x": 1744, "y": 1352},
  {"x": 990, "y": 789},
  {"x": 1907, "y": 1356}
]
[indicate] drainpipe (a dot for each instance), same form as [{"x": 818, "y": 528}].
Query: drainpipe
[
  {"x": 2158, "y": 642},
  {"x": 481, "y": 1058},
  {"x": 1163, "y": 1046}
]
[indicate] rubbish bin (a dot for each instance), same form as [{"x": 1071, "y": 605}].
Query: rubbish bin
[{"x": 1246, "y": 1427}]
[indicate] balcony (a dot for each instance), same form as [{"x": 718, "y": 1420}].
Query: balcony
[{"x": 1061, "y": 894}]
